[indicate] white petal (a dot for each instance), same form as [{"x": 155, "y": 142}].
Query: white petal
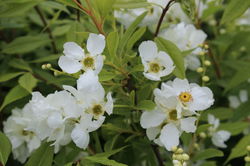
[
  {"x": 243, "y": 96},
  {"x": 34, "y": 143},
  {"x": 95, "y": 44},
  {"x": 98, "y": 64},
  {"x": 192, "y": 62},
  {"x": 73, "y": 51},
  {"x": 55, "y": 120},
  {"x": 167, "y": 62},
  {"x": 151, "y": 76},
  {"x": 148, "y": 50},
  {"x": 80, "y": 137},
  {"x": 152, "y": 132},
  {"x": 152, "y": 118},
  {"x": 234, "y": 102},
  {"x": 220, "y": 137},
  {"x": 170, "y": 136},
  {"x": 69, "y": 65},
  {"x": 109, "y": 105},
  {"x": 181, "y": 85},
  {"x": 188, "y": 124}
]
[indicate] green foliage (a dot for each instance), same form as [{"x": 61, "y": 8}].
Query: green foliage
[
  {"x": 5, "y": 149},
  {"x": 27, "y": 81},
  {"x": 208, "y": 153},
  {"x": 42, "y": 156}
]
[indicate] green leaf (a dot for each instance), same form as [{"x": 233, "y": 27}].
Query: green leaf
[
  {"x": 242, "y": 111},
  {"x": 20, "y": 64},
  {"x": 240, "y": 77},
  {"x": 14, "y": 94},
  {"x": 221, "y": 112},
  {"x": 135, "y": 37},
  {"x": 102, "y": 158},
  {"x": 105, "y": 6},
  {"x": 106, "y": 76},
  {"x": 175, "y": 54},
  {"x": 207, "y": 154},
  {"x": 17, "y": 9},
  {"x": 240, "y": 148},
  {"x": 9, "y": 76},
  {"x": 130, "y": 5},
  {"x": 28, "y": 82},
  {"x": 146, "y": 105},
  {"x": 234, "y": 9},
  {"x": 26, "y": 44},
  {"x": 112, "y": 43},
  {"x": 203, "y": 128},
  {"x": 234, "y": 128},
  {"x": 43, "y": 156},
  {"x": 5, "y": 149},
  {"x": 125, "y": 38},
  {"x": 46, "y": 59}
]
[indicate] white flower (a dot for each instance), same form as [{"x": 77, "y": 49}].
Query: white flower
[
  {"x": 218, "y": 137},
  {"x": 156, "y": 64},
  {"x": 244, "y": 19},
  {"x": 236, "y": 101},
  {"x": 24, "y": 141},
  {"x": 76, "y": 59},
  {"x": 186, "y": 37},
  {"x": 190, "y": 97},
  {"x": 164, "y": 121},
  {"x": 80, "y": 133}
]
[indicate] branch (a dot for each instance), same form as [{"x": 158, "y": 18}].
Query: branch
[
  {"x": 158, "y": 155},
  {"x": 215, "y": 64},
  {"x": 162, "y": 17},
  {"x": 99, "y": 25},
  {"x": 39, "y": 12}
]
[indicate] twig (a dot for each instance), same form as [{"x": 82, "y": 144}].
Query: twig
[
  {"x": 158, "y": 155},
  {"x": 89, "y": 12},
  {"x": 39, "y": 12},
  {"x": 162, "y": 17},
  {"x": 215, "y": 64}
]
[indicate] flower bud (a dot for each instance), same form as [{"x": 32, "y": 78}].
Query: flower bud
[
  {"x": 48, "y": 66},
  {"x": 206, "y": 46},
  {"x": 202, "y": 53},
  {"x": 185, "y": 157},
  {"x": 196, "y": 146},
  {"x": 199, "y": 70},
  {"x": 205, "y": 78},
  {"x": 212, "y": 22},
  {"x": 247, "y": 159},
  {"x": 56, "y": 73},
  {"x": 179, "y": 150},
  {"x": 44, "y": 66},
  {"x": 248, "y": 148},
  {"x": 174, "y": 148},
  {"x": 178, "y": 157},
  {"x": 207, "y": 63},
  {"x": 202, "y": 135}
]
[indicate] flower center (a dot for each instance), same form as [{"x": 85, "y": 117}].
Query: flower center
[
  {"x": 173, "y": 115},
  {"x": 97, "y": 110},
  {"x": 26, "y": 133},
  {"x": 154, "y": 67},
  {"x": 88, "y": 62},
  {"x": 185, "y": 97}
]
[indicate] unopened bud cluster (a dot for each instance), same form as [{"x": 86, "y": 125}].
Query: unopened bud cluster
[
  {"x": 46, "y": 66},
  {"x": 247, "y": 158},
  {"x": 179, "y": 157}
]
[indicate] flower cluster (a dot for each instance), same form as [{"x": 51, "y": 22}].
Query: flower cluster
[
  {"x": 177, "y": 105},
  {"x": 63, "y": 116}
]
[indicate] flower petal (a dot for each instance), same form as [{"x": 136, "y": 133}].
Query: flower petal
[
  {"x": 109, "y": 105},
  {"x": 151, "y": 76},
  {"x": 69, "y": 65},
  {"x": 170, "y": 136},
  {"x": 98, "y": 64},
  {"x": 95, "y": 44},
  {"x": 73, "y": 51},
  {"x": 152, "y": 132},
  {"x": 181, "y": 85},
  {"x": 80, "y": 137},
  {"x": 220, "y": 137},
  {"x": 188, "y": 124},
  {"x": 152, "y": 118},
  {"x": 148, "y": 50}
]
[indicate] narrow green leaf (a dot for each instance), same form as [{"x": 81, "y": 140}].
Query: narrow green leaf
[
  {"x": 20, "y": 64},
  {"x": 175, "y": 54},
  {"x": 43, "y": 156},
  {"x": 15, "y": 93},
  {"x": 5, "y": 149},
  {"x": 221, "y": 112},
  {"x": 105, "y": 6},
  {"x": 46, "y": 59},
  {"x": 26, "y": 44},
  {"x": 146, "y": 105},
  {"x": 239, "y": 149},
  {"x": 208, "y": 153},
  {"x": 9, "y": 76},
  {"x": 125, "y": 38},
  {"x": 234, "y": 9},
  {"x": 112, "y": 43},
  {"x": 27, "y": 81},
  {"x": 240, "y": 77},
  {"x": 242, "y": 111},
  {"x": 104, "y": 161},
  {"x": 130, "y": 5},
  {"x": 135, "y": 37},
  {"x": 234, "y": 128}
]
